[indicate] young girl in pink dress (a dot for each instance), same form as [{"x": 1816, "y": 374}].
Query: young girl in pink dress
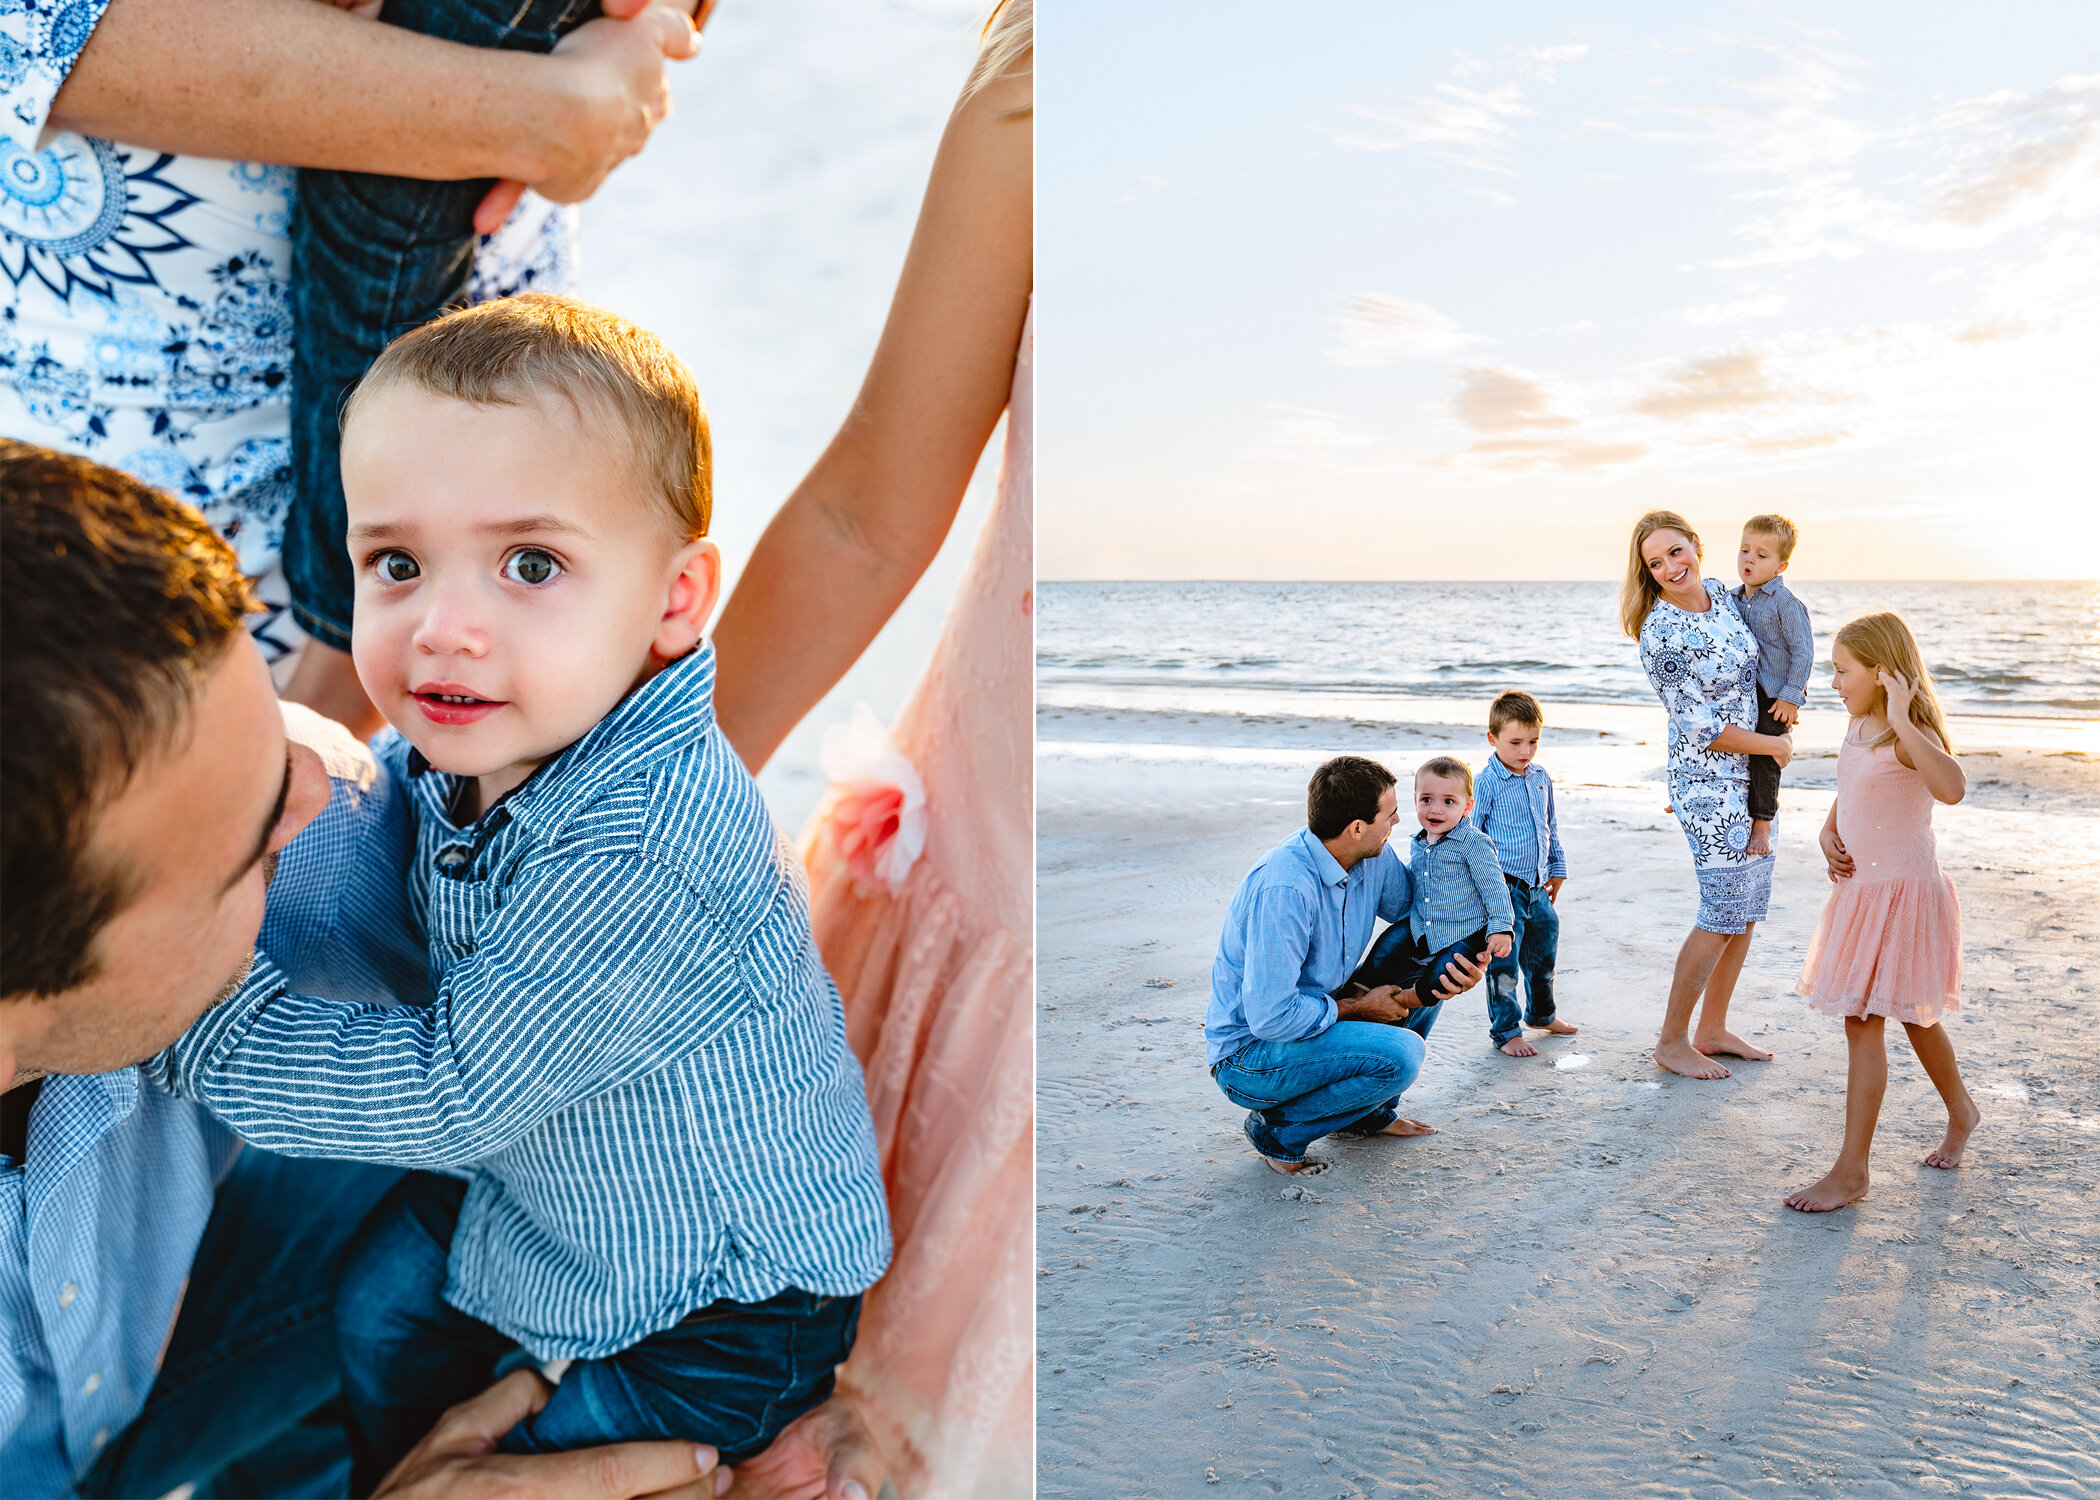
[{"x": 1889, "y": 943}]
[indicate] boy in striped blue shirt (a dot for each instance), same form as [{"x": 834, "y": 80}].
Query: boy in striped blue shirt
[
  {"x": 645, "y": 1145},
  {"x": 1514, "y": 807}
]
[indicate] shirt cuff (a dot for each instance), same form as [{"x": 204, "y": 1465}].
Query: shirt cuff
[
  {"x": 1329, "y": 1014},
  {"x": 1557, "y": 870},
  {"x": 214, "y": 1036},
  {"x": 43, "y": 54}
]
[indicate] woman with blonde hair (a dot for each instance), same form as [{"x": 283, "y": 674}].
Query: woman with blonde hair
[
  {"x": 921, "y": 857},
  {"x": 1702, "y": 662}
]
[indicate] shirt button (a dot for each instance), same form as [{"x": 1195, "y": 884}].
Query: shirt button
[
  {"x": 101, "y": 1436},
  {"x": 92, "y": 1384},
  {"x": 452, "y": 858},
  {"x": 68, "y": 1294}
]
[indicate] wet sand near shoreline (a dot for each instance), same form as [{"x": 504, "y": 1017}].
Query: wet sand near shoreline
[{"x": 1587, "y": 1281}]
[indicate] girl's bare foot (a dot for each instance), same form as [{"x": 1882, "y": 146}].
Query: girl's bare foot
[
  {"x": 1838, "y": 1188},
  {"x": 1516, "y": 1046},
  {"x": 1559, "y": 1027},
  {"x": 1409, "y": 1127},
  {"x": 1728, "y": 1044},
  {"x": 1949, "y": 1154},
  {"x": 1683, "y": 1057}
]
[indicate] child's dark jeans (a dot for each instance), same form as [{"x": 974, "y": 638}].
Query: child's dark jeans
[
  {"x": 731, "y": 1374},
  {"x": 1764, "y": 771},
  {"x": 1532, "y": 948},
  {"x": 1400, "y": 958},
  {"x": 373, "y": 257}
]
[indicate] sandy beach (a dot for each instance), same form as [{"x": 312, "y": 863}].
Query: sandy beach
[{"x": 1586, "y": 1283}]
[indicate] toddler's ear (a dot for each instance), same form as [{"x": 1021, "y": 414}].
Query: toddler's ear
[{"x": 696, "y": 584}]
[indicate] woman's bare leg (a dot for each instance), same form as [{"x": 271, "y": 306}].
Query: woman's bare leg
[
  {"x": 1695, "y": 962},
  {"x": 1713, "y": 1036},
  {"x": 1935, "y": 1050},
  {"x": 1866, "y": 1080}
]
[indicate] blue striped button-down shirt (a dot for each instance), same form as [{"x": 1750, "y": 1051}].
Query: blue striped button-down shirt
[
  {"x": 1298, "y": 926},
  {"x": 1517, "y": 812},
  {"x": 633, "y": 1054},
  {"x": 1786, "y": 641},
  {"x": 1458, "y": 887},
  {"x": 99, "y": 1225}
]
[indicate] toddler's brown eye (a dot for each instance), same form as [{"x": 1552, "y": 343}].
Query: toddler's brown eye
[
  {"x": 530, "y": 565},
  {"x": 398, "y": 567}
]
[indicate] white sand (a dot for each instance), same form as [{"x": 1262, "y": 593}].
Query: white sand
[{"x": 1586, "y": 1283}]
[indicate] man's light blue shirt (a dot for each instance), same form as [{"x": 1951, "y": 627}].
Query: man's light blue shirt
[
  {"x": 99, "y": 1226},
  {"x": 1517, "y": 812},
  {"x": 1786, "y": 641},
  {"x": 1297, "y": 928}
]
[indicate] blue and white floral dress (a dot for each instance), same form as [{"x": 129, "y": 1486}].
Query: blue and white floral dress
[
  {"x": 1704, "y": 668},
  {"x": 147, "y": 323}
]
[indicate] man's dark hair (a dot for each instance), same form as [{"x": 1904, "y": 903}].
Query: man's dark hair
[
  {"x": 115, "y": 600},
  {"x": 1343, "y": 791}
]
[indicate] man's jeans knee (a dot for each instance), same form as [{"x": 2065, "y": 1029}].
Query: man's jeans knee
[
  {"x": 1313, "y": 1087},
  {"x": 1533, "y": 946}
]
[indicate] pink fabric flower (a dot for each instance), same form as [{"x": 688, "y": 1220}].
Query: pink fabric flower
[{"x": 877, "y": 816}]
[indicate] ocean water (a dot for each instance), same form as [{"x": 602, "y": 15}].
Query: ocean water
[{"x": 2028, "y": 650}]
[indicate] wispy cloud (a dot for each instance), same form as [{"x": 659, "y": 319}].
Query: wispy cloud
[
  {"x": 1744, "y": 311},
  {"x": 1721, "y": 383},
  {"x": 1457, "y": 125},
  {"x": 1374, "y": 330},
  {"x": 1545, "y": 63},
  {"x": 1498, "y": 400}
]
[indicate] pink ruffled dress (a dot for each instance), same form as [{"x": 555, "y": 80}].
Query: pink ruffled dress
[
  {"x": 937, "y": 968},
  {"x": 1889, "y": 942}
]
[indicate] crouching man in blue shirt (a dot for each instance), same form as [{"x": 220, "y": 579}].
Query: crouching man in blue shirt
[
  {"x": 1295, "y": 1034},
  {"x": 165, "y": 1293}
]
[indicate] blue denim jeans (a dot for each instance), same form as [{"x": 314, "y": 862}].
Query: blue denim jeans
[
  {"x": 246, "y": 1402},
  {"x": 1532, "y": 947},
  {"x": 372, "y": 258},
  {"x": 1350, "y": 1076},
  {"x": 732, "y": 1374}
]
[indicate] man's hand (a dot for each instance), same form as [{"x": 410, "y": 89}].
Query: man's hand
[
  {"x": 1786, "y": 713},
  {"x": 1834, "y": 854},
  {"x": 1553, "y": 886},
  {"x": 458, "y": 1461},
  {"x": 1498, "y": 944},
  {"x": 1388, "y": 1003},
  {"x": 826, "y": 1454},
  {"x": 1470, "y": 970}
]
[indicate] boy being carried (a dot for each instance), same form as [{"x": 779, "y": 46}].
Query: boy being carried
[
  {"x": 1513, "y": 806},
  {"x": 1786, "y": 653},
  {"x": 646, "y": 1147}
]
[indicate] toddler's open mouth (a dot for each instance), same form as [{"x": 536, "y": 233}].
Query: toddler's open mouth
[{"x": 443, "y": 703}]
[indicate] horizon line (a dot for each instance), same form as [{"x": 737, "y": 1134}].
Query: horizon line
[{"x": 1994, "y": 579}]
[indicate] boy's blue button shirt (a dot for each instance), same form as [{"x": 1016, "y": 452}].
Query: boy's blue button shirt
[
  {"x": 633, "y": 1052},
  {"x": 1786, "y": 641},
  {"x": 1298, "y": 925},
  {"x": 1458, "y": 887},
  {"x": 1518, "y": 814}
]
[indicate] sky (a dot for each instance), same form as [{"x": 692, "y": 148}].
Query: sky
[
  {"x": 1386, "y": 290},
  {"x": 760, "y": 234}
]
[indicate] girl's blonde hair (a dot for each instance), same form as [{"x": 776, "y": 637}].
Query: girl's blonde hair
[
  {"x": 1640, "y": 591},
  {"x": 1009, "y": 35},
  {"x": 1884, "y": 641}
]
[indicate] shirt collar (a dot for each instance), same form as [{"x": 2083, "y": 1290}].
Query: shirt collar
[
  {"x": 1775, "y": 585},
  {"x": 1325, "y": 866},
  {"x": 1495, "y": 764},
  {"x": 669, "y": 711}
]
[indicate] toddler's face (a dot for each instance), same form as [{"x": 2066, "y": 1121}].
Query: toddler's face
[
  {"x": 1854, "y": 681},
  {"x": 1516, "y": 744},
  {"x": 1757, "y": 560},
  {"x": 514, "y": 577},
  {"x": 1440, "y": 803}
]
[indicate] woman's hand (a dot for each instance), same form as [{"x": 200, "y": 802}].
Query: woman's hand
[
  {"x": 1834, "y": 854},
  {"x": 1782, "y": 749},
  {"x": 826, "y": 1454},
  {"x": 616, "y": 94}
]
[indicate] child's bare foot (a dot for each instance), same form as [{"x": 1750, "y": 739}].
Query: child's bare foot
[
  {"x": 1760, "y": 839},
  {"x": 1409, "y": 1127},
  {"x": 1949, "y": 1154},
  {"x": 1516, "y": 1046},
  {"x": 1721, "y": 1043},
  {"x": 1683, "y": 1057},
  {"x": 1559, "y": 1027},
  {"x": 1838, "y": 1188}
]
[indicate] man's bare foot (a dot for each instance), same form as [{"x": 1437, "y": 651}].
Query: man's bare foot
[
  {"x": 1409, "y": 1127},
  {"x": 1290, "y": 1168},
  {"x": 1837, "y": 1189},
  {"x": 1728, "y": 1044},
  {"x": 1683, "y": 1057},
  {"x": 1516, "y": 1046},
  {"x": 1760, "y": 839},
  {"x": 1949, "y": 1154},
  {"x": 1559, "y": 1027}
]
